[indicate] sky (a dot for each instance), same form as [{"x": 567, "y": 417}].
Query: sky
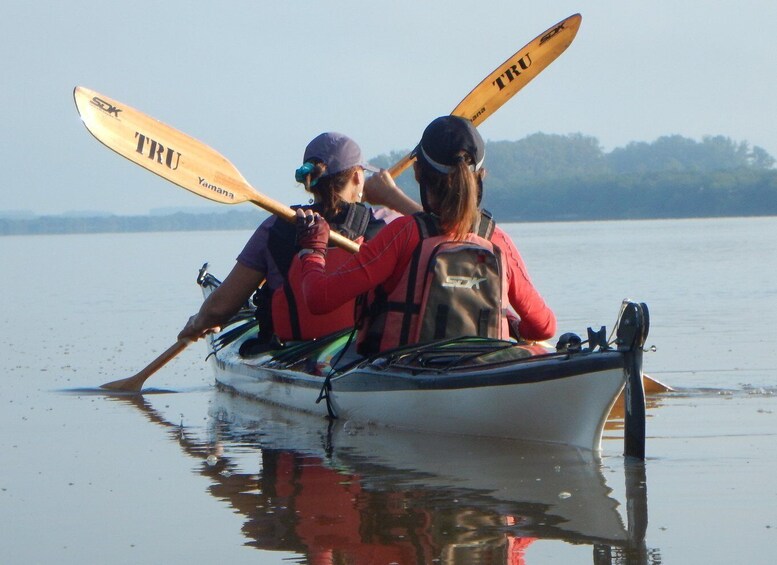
[{"x": 257, "y": 80}]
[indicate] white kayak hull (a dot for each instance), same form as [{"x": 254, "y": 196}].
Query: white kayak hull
[
  {"x": 567, "y": 409},
  {"x": 469, "y": 386}
]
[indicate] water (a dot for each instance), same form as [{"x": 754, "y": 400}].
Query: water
[{"x": 193, "y": 475}]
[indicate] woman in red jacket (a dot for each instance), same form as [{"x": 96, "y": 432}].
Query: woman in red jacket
[{"x": 445, "y": 272}]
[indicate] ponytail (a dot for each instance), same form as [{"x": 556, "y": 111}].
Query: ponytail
[{"x": 453, "y": 196}]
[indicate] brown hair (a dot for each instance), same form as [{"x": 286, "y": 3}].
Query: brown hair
[
  {"x": 326, "y": 189},
  {"x": 454, "y": 196}
]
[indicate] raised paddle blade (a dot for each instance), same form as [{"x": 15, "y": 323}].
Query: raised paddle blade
[
  {"x": 517, "y": 71},
  {"x": 175, "y": 156},
  {"x": 135, "y": 382},
  {"x": 161, "y": 149},
  {"x": 510, "y": 77}
]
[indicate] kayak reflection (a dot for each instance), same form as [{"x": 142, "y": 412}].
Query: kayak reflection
[{"x": 343, "y": 493}]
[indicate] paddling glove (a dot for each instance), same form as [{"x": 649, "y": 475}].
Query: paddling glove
[{"x": 313, "y": 233}]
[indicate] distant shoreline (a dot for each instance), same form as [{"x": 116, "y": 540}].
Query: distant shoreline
[
  {"x": 541, "y": 178},
  {"x": 233, "y": 220},
  {"x": 179, "y": 221}
]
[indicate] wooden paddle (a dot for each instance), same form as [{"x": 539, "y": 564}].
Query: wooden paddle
[
  {"x": 175, "y": 156},
  {"x": 135, "y": 382},
  {"x": 510, "y": 77},
  {"x": 195, "y": 166}
]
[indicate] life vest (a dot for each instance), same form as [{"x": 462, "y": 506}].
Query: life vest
[
  {"x": 449, "y": 289},
  {"x": 291, "y": 318}
]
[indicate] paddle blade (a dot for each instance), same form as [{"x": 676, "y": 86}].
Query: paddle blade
[
  {"x": 654, "y": 386},
  {"x": 161, "y": 149},
  {"x": 517, "y": 71},
  {"x": 175, "y": 156},
  {"x": 510, "y": 77}
]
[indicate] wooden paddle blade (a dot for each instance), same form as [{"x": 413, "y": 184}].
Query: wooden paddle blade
[
  {"x": 175, "y": 156},
  {"x": 135, "y": 382},
  {"x": 517, "y": 71},
  {"x": 510, "y": 77},
  {"x": 654, "y": 386},
  {"x": 161, "y": 149}
]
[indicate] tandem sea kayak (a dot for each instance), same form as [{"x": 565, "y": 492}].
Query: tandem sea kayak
[{"x": 466, "y": 386}]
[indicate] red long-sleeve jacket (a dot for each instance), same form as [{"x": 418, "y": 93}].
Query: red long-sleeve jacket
[{"x": 382, "y": 260}]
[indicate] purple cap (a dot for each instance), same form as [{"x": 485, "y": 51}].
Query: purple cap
[{"x": 339, "y": 152}]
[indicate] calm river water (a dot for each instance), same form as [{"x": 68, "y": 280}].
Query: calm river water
[{"x": 185, "y": 474}]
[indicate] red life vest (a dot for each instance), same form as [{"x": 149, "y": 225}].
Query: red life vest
[
  {"x": 449, "y": 289},
  {"x": 291, "y": 318}
]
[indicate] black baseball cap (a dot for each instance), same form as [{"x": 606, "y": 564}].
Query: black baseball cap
[{"x": 445, "y": 138}]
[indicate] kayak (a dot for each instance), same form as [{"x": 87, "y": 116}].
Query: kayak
[{"x": 465, "y": 386}]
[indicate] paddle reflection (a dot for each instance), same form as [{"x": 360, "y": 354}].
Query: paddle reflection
[{"x": 338, "y": 493}]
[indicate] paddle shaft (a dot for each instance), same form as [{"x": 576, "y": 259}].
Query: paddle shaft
[{"x": 135, "y": 382}]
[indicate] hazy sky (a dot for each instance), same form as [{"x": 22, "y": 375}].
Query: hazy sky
[{"x": 257, "y": 80}]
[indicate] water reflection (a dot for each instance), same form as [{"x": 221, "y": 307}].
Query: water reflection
[{"x": 339, "y": 493}]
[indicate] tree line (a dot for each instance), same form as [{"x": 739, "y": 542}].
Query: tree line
[
  {"x": 545, "y": 177},
  {"x": 548, "y": 177}
]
